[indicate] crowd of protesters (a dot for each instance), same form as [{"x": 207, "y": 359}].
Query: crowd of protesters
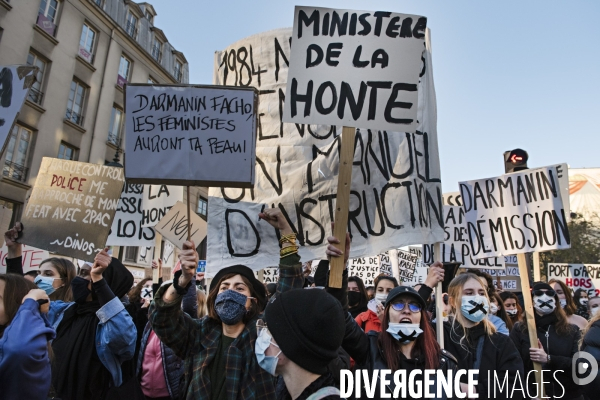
[{"x": 89, "y": 332}]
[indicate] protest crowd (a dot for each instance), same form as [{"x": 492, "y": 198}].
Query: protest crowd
[{"x": 325, "y": 325}]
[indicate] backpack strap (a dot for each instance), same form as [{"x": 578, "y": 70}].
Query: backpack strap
[{"x": 324, "y": 392}]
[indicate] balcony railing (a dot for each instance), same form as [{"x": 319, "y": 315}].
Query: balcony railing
[
  {"x": 35, "y": 96},
  {"x": 15, "y": 171},
  {"x": 131, "y": 30},
  {"x": 74, "y": 117},
  {"x": 156, "y": 53}
]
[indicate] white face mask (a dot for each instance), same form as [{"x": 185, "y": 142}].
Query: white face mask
[
  {"x": 381, "y": 297},
  {"x": 404, "y": 333},
  {"x": 512, "y": 312},
  {"x": 493, "y": 309},
  {"x": 474, "y": 308},
  {"x": 594, "y": 311},
  {"x": 563, "y": 303},
  {"x": 583, "y": 302},
  {"x": 544, "y": 304}
]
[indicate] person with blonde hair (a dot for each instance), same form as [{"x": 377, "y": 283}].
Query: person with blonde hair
[
  {"x": 565, "y": 296},
  {"x": 473, "y": 340},
  {"x": 591, "y": 343}
]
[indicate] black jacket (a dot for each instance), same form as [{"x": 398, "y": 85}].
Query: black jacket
[
  {"x": 591, "y": 344},
  {"x": 561, "y": 350},
  {"x": 499, "y": 356},
  {"x": 321, "y": 382}
]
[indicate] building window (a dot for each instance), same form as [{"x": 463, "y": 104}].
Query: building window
[
  {"x": 149, "y": 17},
  {"x": 86, "y": 43},
  {"x": 124, "y": 69},
  {"x": 99, "y": 3},
  {"x": 131, "y": 25},
  {"x": 202, "y": 206},
  {"x": 75, "y": 103},
  {"x": 131, "y": 254},
  {"x": 67, "y": 152},
  {"x": 17, "y": 153},
  {"x": 178, "y": 70},
  {"x": 152, "y": 81},
  {"x": 49, "y": 9},
  {"x": 116, "y": 124},
  {"x": 35, "y": 93},
  {"x": 156, "y": 49}
]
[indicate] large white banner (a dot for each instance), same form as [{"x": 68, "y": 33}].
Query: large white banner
[
  {"x": 516, "y": 213},
  {"x": 355, "y": 68},
  {"x": 577, "y": 276},
  {"x": 15, "y": 81},
  {"x": 396, "y": 197}
]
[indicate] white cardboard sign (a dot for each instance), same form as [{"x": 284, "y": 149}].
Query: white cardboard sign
[
  {"x": 157, "y": 201},
  {"x": 15, "y": 81},
  {"x": 126, "y": 229},
  {"x": 577, "y": 276},
  {"x": 395, "y": 198},
  {"x": 516, "y": 213},
  {"x": 366, "y": 268},
  {"x": 190, "y": 135},
  {"x": 355, "y": 68},
  {"x": 31, "y": 258},
  {"x": 174, "y": 226}
]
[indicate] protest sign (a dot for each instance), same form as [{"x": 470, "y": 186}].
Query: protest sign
[
  {"x": 407, "y": 263},
  {"x": 385, "y": 264},
  {"x": 190, "y": 135},
  {"x": 15, "y": 81},
  {"x": 271, "y": 275},
  {"x": 157, "y": 200},
  {"x": 126, "y": 229},
  {"x": 395, "y": 198},
  {"x": 174, "y": 226},
  {"x": 456, "y": 246},
  {"x": 340, "y": 55},
  {"x": 577, "y": 276},
  {"x": 71, "y": 207},
  {"x": 516, "y": 213},
  {"x": 366, "y": 268},
  {"x": 31, "y": 258}
]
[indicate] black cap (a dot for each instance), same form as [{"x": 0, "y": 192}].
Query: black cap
[
  {"x": 397, "y": 291},
  {"x": 247, "y": 273}
]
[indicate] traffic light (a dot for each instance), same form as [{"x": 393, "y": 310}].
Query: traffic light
[{"x": 515, "y": 160}]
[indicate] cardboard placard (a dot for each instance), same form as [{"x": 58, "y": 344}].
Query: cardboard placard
[
  {"x": 407, "y": 263},
  {"x": 71, "y": 207},
  {"x": 190, "y": 135},
  {"x": 271, "y": 275},
  {"x": 385, "y": 264},
  {"x": 355, "y": 68},
  {"x": 456, "y": 246},
  {"x": 395, "y": 197},
  {"x": 15, "y": 81},
  {"x": 366, "y": 268},
  {"x": 157, "y": 200},
  {"x": 516, "y": 213},
  {"x": 577, "y": 276},
  {"x": 126, "y": 229},
  {"x": 31, "y": 258},
  {"x": 174, "y": 226}
]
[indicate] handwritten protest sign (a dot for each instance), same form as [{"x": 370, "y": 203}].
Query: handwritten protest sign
[
  {"x": 271, "y": 275},
  {"x": 395, "y": 199},
  {"x": 385, "y": 264},
  {"x": 174, "y": 226},
  {"x": 366, "y": 268},
  {"x": 456, "y": 246},
  {"x": 577, "y": 276},
  {"x": 509, "y": 276},
  {"x": 31, "y": 258},
  {"x": 126, "y": 229},
  {"x": 516, "y": 213},
  {"x": 190, "y": 135},
  {"x": 15, "y": 81},
  {"x": 407, "y": 263},
  {"x": 71, "y": 207},
  {"x": 157, "y": 200},
  {"x": 355, "y": 68}
]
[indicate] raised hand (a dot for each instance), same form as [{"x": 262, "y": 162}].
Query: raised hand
[
  {"x": 101, "y": 262},
  {"x": 435, "y": 275},
  {"x": 333, "y": 251},
  {"x": 189, "y": 263},
  {"x": 38, "y": 294},
  {"x": 10, "y": 239},
  {"x": 275, "y": 217}
]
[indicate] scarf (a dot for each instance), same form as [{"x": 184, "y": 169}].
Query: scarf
[
  {"x": 77, "y": 372},
  {"x": 543, "y": 321}
]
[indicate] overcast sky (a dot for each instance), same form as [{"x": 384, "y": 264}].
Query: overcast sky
[{"x": 507, "y": 73}]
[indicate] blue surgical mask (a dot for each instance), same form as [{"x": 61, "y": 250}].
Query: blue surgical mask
[
  {"x": 268, "y": 363},
  {"x": 45, "y": 283},
  {"x": 231, "y": 306},
  {"x": 474, "y": 308}
]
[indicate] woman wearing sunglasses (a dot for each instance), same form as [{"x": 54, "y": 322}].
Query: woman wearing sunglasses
[
  {"x": 473, "y": 340},
  {"x": 557, "y": 343}
]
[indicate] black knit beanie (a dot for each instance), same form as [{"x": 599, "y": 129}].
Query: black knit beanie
[{"x": 308, "y": 326}]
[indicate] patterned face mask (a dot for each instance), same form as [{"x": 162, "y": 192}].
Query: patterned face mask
[
  {"x": 147, "y": 293},
  {"x": 544, "y": 304},
  {"x": 404, "y": 333},
  {"x": 231, "y": 306},
  {"x": 474, "y": 308}
]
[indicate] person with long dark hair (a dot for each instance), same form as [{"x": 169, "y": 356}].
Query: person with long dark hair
[
  {"x": 558, "y": 341},
  {"x": 24, "y": 336},
  {"x": 512, "y": 307},
  {"x": 357, "y": 296},
  {"x": 567, "y": 303},
  {"x": 581, "y": 299}
]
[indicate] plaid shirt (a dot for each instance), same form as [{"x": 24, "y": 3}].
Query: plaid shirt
[{"x": 197, "y": 341}]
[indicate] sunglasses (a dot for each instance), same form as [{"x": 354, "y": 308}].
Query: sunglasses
[
  {"x": 550, "y": 293},
  {"x": 413, "y": 307}
]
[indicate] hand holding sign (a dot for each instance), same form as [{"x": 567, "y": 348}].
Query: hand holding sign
[
  {"x": 189, "y": 263},
  {"x": 101, "y": 262},
  {"x": 333, "y": 251},
  {"x": 435, "y": 275},
  {"x": 11, "y": 238},
  {"x": 275, "y": 217}
]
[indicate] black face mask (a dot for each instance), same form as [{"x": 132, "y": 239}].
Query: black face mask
[
  {"x": 353, "y": 298},
  {"x": 79, "y": 286}
]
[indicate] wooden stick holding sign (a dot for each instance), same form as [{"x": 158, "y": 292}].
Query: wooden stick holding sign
[
  {"x": 439, "y": 299},
  {"x": 529, "y": 316},
  {"x": 342, "y": 203},
  {"x": 189, "y": 218},
  {"x": 157, "y": 257}
]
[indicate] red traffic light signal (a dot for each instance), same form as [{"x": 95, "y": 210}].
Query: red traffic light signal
[{"x": 515, "y": 160}]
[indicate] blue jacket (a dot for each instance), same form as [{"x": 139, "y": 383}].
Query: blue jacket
[
  {"x": 499, "y": 324},
  {"x": 24, "y": 363},
  {"x": 115, "y": 334}
]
